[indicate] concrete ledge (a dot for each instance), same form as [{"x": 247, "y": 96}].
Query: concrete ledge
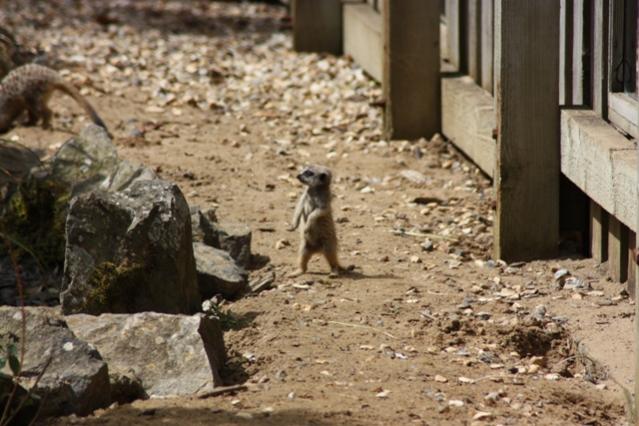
[
  {"x": 601, "y": 162},
  {"x": 468, "y": 120},
  {"x": 363, "y": 37}
]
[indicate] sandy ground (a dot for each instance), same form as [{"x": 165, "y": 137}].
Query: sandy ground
[{"x": 428, "y": 330}]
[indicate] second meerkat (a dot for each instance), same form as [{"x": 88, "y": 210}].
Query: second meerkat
[
  {"x": 28, "y": 88},
  {"x": 314, "y": 215}
]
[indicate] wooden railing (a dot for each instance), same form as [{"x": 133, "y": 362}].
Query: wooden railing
[{"x": 541, "y": 95}]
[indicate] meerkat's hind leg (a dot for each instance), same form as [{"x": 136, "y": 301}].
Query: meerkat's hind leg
[
  {"x": 37, "y": 110},
  {"x": 330, "y": 253},
  {"x": 305, "y": 256}
]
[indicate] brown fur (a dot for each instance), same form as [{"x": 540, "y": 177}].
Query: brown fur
[{"x": 29, "y": 88}]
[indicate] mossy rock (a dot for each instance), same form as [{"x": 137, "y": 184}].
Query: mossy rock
[
  {"x": 113, "y": 288},
  {"x": 33, "y": 220}
]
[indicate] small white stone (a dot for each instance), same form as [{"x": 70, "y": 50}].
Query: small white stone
[{"x": 68, "y": 346}]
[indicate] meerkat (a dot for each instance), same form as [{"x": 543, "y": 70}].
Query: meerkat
[
  {"x": 314, "y": 216},
  {"x": 29, "y": 88}
]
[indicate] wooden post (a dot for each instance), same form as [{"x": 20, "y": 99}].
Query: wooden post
[
  {"x": 411, "y": 84},
  {"x": 617, "y": 250},
  {"x": 453, "y": 32},
  {"x": 600, "y": 58},
  {"x": 598, "y": 232},
  {"x": 473, "y": 40},
  {"x": 527, "y": 91},
  {"x": 317, "y": 26},
  {"x": 632, "y": 265}
]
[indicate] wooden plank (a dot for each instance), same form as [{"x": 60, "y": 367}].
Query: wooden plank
[
  {"x": 487, "y": 44},
  {"x": 317, "y": 26},
  {"x": 363, "y": 38},
  {"x": 473, "y": 40},
  {"x": 452, "y": 24},
  {"x": 578, "y": 50},
  {"x": 526, "y": 88},
  {"x": 617, "y": 250},
  {"x": 623, "y": 112},
  {"x": 632, "y": 265},
  {"x": 600, "y": 58},
  {"x": 601, "y": 162},
  {"x": 598, "y": 233},
  {"x": 565, "y": 51},
  {"x": 411, "y": 70},
  {"x": 468, "y": 120}
]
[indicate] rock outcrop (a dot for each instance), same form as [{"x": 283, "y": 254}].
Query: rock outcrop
[
  {"x": 130, "y": 251},
  {"x": 168, "y": 354}
]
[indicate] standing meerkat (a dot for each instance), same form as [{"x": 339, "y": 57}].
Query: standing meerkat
[
  {"x": 29, "y": 88},
  {"x": 314, "y": 216}
]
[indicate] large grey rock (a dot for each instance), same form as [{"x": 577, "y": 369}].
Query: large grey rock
[
  {"x": 77, "y": 379},
  {"x": 170, "y": 354},
  {"x": 34, "y": 210},
  {"x": 130, "y": 251},
  {"x": 235, "y": 238},
  {"x": 85, "y": 161},
  {"x": 90, "y": 162},
  {"x": 217, "y": 272}
]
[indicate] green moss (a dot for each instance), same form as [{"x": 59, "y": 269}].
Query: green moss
[
  {"x": 113, "y": 287},
  {"x": 34, "y": 220}
]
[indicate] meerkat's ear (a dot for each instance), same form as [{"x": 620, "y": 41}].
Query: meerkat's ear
[{"x": 323, "y": 177}]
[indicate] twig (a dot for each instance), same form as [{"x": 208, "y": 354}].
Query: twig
[
  {"x": 367, "y": 327},
  {"x": 402, "y": 233},
  {"x": 222, "y": 390}
]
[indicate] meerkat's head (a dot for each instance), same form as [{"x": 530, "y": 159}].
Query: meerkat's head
[{"x": 315, "y": 176}]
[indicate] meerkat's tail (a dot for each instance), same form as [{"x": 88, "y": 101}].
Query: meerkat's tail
[{"x": 67, "y": 88}]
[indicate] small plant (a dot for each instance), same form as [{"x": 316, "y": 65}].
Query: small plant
[{"x": 9, "y": 354}]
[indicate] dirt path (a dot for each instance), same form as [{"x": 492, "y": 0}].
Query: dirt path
[{"x": 428, "y": 331}]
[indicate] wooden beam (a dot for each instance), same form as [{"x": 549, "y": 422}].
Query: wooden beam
[
  {"x": 527, "y": 90},
  {"x": 411, "y": 73},
  {"x": 487, "y": 7},
  {"x": 317, "y": 26},
  {"x": 598, "y": 233},
  {"x": 468, "y": 120},
  {"x": 601, "y": 162},
  {"x": 363, "y": 37},
  {"x": 617, "y": 250}
]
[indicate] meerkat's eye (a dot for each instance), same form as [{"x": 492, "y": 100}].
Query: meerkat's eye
[{"x": 307, "y": 173}]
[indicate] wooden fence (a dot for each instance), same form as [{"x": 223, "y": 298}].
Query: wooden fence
[{"x": 541, "y": 95}]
